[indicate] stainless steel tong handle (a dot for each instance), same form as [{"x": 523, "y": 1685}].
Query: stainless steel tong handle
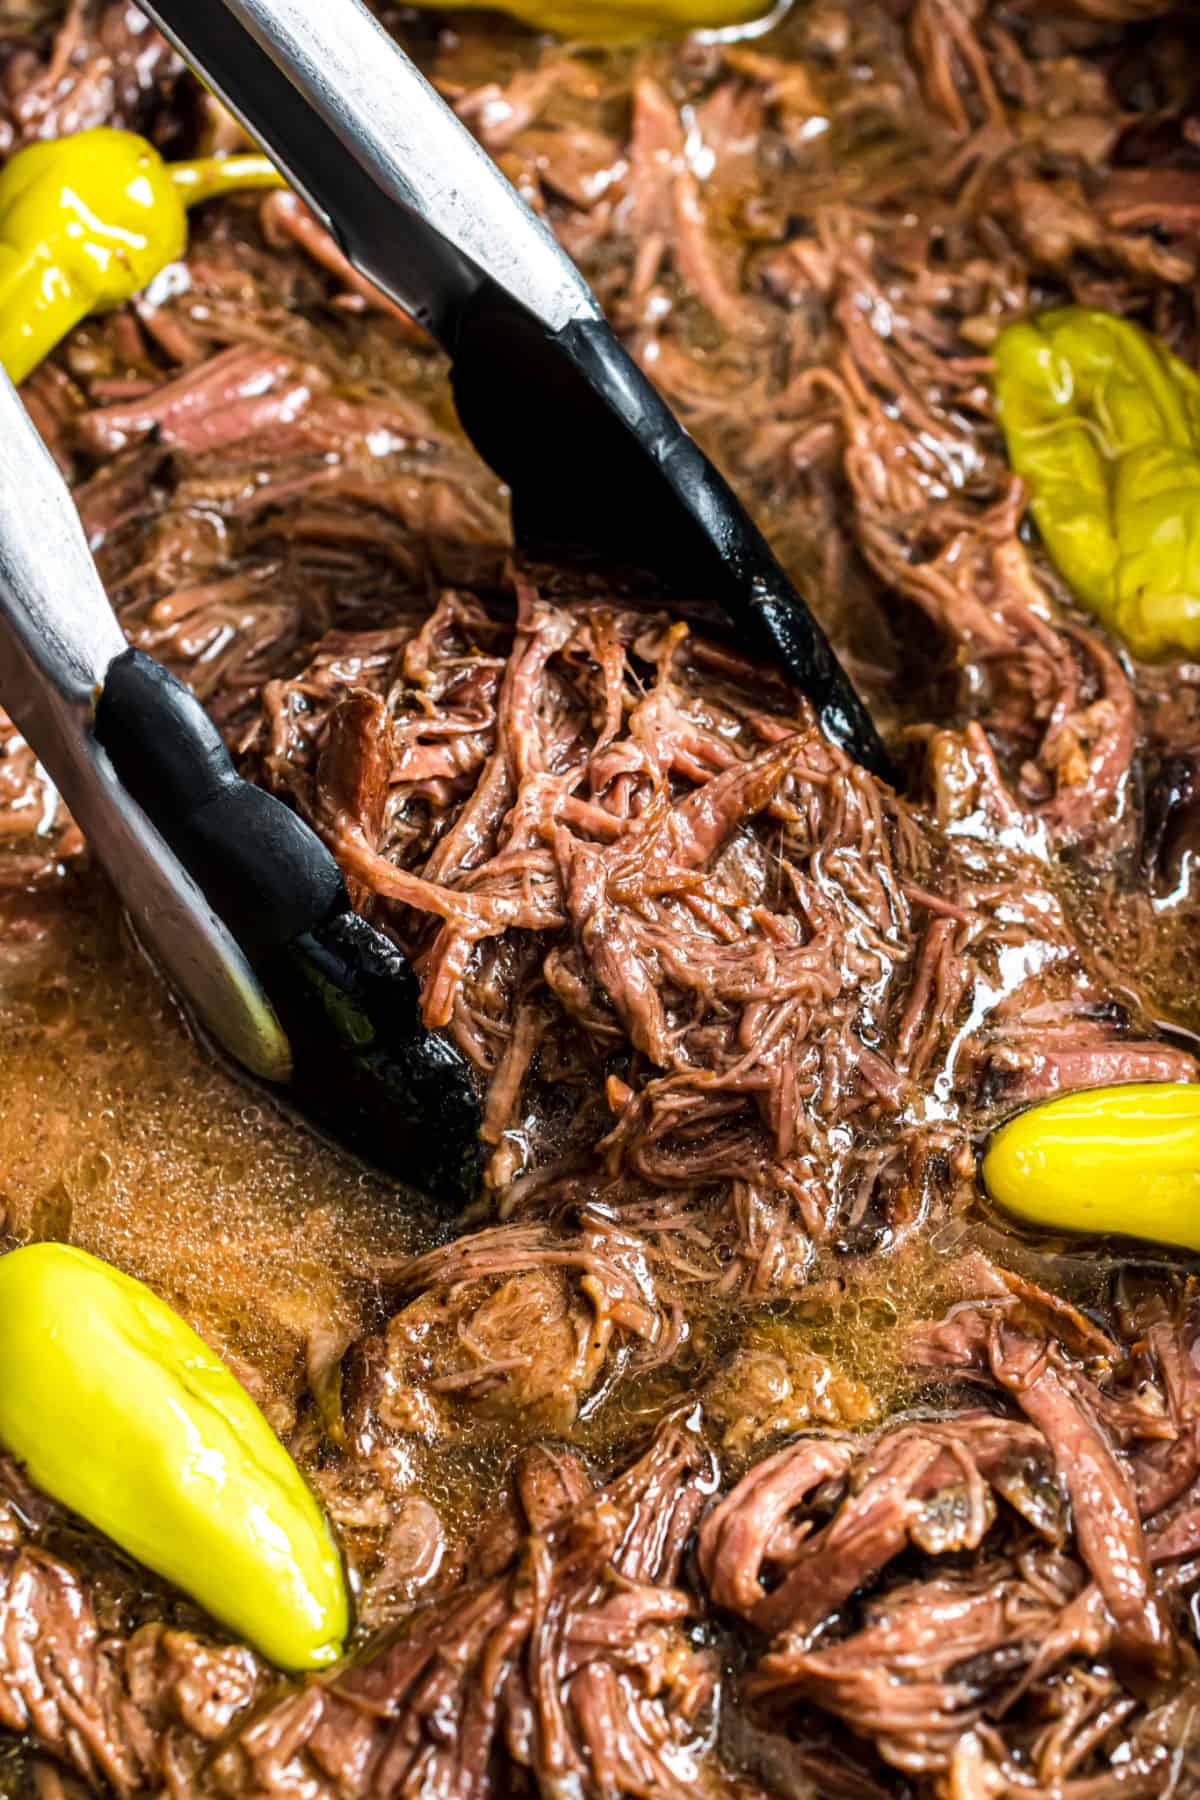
[
  {"x": 421, "y": 211},
  {"x": 357, "y": 130},
  {"x": 58, "y": 637}
]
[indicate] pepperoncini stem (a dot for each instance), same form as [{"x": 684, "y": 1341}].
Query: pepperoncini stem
[
  {"x": 210, "y": 177},
  {"x": 86, "y": 221},
  {"x": 120, "y": 1412},
  {"x": 1120, "y": 1160}
]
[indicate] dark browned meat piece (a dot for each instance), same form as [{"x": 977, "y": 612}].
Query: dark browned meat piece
[
  {"x": 521, "y": 1324},
  {"x": 602, "y": 849},
  {"x": 946, "y": 1573},
  {"x": 573, "y": 1656},
  {"x": 354, "y": 771},
  {"x": 105, "y": 65},
  {"x": 1172, "y": 834},
  {"x": 1167, "y": 200},
  {"x": 1062, "y": 1400},
  {"x": 741, "y": 1016},
  {"x": 234, "y": 396},
  {"x": 931, "y": 1485},
  {"x": 572, "y": 1664},
  {"x": 131, "y": 1707}
]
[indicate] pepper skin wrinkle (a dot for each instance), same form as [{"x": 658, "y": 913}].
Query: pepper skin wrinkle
[
  {"x": 86, "y": 221},
  {"x": 1107, "y": 1160},
  {"x": 1102, "y": 423},
  {"x": 123, "y": 1414}
]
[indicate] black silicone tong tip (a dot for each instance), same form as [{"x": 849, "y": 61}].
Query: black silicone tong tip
[
  {"x": 601, "y": 471},
  {"x": 400, "y": 1096},
  {"x": 363, "y": 1065}
]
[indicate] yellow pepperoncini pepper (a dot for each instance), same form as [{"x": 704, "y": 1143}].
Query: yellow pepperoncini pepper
[
  {"x": 120, "y": 1412},
  {"x": 1120, "y": 1160},
  {"x": 620, "y": 21},
  {"x": 86, "y": 221},
  {"x": 1103, "y": 424}
]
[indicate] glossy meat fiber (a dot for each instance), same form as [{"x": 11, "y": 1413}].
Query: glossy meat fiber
[{"x": 740, "y": 1017}]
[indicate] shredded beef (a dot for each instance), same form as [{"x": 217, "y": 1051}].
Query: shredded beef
[
  {"x": 569, "y": 1655},
  {"x": 606, "y": 844},
  {"x": 105, "y": 65},
  {"x": 1062, "y": 1569},
  {"x": 740, "y": 1016},
  {"x": 571, "y": 1664},
  {"x": 132, "y": 1707}
]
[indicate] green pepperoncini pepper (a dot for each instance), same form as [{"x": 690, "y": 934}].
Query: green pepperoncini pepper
[
  {"x": 621, "y": 21},
  {"x": 1122, "y": 1160},
  {"x": 1102, "y": 423},
  {"x": 86, "y": 221},
  {"x": 123, "y": 1414}
]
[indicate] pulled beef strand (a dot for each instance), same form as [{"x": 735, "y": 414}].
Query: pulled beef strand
[
  {"x": 1061, "y": 1590},
  {"x": 586, "y": 835},
  {"x": 569, "y": 1657},
  {"x": 735, "y": 1008},
  {"x": 571, "y": 1661},
  {"x": 131, "y": 1707}
]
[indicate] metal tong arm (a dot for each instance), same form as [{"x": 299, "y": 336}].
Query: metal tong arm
[
  {"x": 358, "y": 131},
  {"x": 58, "y": 639},
  {"x": 421, "y": 211}
]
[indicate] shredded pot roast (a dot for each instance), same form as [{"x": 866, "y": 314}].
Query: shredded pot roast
[{"x": 740, "y": 1016}]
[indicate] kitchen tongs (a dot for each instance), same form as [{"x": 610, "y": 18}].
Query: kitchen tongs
[
  {"x": 599, "y": 468},
  {"x": 236, "y": 899}
]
